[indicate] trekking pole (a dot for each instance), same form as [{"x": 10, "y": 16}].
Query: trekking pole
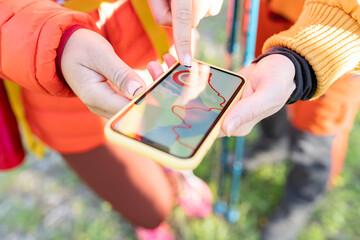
[
  {"x": 252, "y": 31},
  {"x": 249, "y": 16},
  {"x": 252, "y": 14},
  {"x": 221, "y": 206}
]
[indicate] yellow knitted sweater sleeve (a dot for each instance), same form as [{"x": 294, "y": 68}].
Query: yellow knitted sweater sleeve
[{"x": 327, "y": 35}]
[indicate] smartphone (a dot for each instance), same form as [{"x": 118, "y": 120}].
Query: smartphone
[{"x": 178, "y": 118}]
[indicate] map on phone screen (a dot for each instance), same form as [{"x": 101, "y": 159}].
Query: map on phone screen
[{"x": 177, "y": 113}]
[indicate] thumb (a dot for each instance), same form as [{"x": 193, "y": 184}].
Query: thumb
[
  {"x": 243, "y": 116},
  {"x": 119, "y": 74}
]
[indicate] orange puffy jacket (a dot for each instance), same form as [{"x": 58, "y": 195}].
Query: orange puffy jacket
[{"x": 30, "y": 32}]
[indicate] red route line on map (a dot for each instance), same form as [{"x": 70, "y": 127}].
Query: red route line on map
[{"x": 188, "y": 126}]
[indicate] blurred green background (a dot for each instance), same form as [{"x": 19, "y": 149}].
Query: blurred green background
[{"x": 44, "y": 200}]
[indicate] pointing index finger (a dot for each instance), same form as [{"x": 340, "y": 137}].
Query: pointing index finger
[{"x": 182, "y": 24}]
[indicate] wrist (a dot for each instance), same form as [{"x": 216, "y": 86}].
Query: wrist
[
  {"x": 59, "y": 52},
  {"x": 305, "y": 79}
]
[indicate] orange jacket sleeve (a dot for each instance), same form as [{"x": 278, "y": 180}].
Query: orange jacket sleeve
[
  {"x": 30, "y": 32},
  {"x": 327, "y": 35}
]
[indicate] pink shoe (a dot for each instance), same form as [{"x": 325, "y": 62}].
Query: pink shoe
[
  {"x": 194, "y": 197},
  {"x": 162, "y": 232}
]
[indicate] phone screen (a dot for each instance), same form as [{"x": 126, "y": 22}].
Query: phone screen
[{"x": 176, "y": 114}]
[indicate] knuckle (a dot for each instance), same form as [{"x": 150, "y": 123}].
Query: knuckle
[
  {"x": 184, "y": 16},
  {"x": 184, "y": 43},
  {"x": 120, "y": 77}
]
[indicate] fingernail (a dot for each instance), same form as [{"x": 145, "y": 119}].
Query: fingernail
[
  {"x": 232, "y": 126},
  {"x": 133, "y": 87},
  {"x": 187, "y": 60}
]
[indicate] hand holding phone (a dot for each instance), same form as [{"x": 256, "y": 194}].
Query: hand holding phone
[
  {"x": 178, "y": 118},
  {"x": 87, "y": 60},
  {"x": 270, "y": 82}
]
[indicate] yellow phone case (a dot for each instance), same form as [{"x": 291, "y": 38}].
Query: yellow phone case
[{"x": 159, "y": 156}]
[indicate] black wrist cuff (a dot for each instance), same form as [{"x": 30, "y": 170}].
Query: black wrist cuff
[{"x": 305, "y": 78}]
